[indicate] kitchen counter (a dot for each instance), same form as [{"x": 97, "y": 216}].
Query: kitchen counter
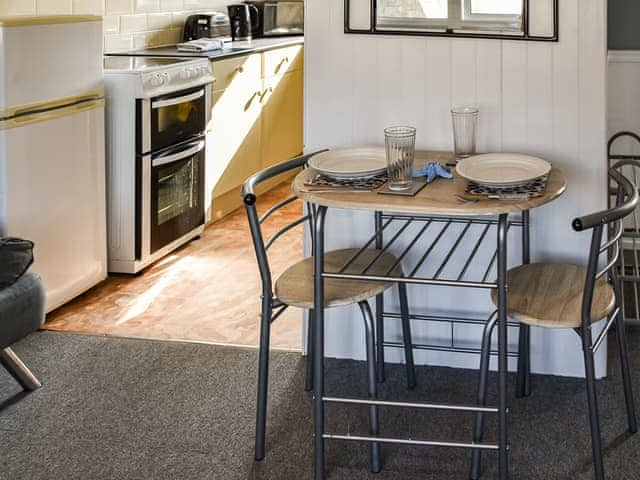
[{"x": 236, "y": 49}]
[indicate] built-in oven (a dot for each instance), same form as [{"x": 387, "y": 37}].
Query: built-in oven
[
  {"x": 171, "y": 200},
  {"x": 170, "y": 170},
  {"x": 157, "y": 114},
  {"x": 170, "y": 119}
]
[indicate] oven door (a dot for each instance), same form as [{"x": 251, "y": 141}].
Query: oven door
[
  {"x": 172, "y": 195},
  {"x": 172, "y": 119}
]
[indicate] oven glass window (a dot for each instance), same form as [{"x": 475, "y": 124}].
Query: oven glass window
[
  {"x": 175, "y": 117},
  {"x": 177, "y": 190},
  {"x": 177, "y": 198}
]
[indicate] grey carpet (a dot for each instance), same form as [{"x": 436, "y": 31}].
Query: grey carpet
[{"x": 132, "y": 409}]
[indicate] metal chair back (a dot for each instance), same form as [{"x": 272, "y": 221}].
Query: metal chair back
[
  {"x": 609, "y": 248},
  {"x": 629, "y": 267},
  {"x": 260, "y": 244}
]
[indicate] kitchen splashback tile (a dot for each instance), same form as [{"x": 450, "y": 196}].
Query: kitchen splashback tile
[
  {"x": 54, "y": 7},
  {"x": 171, "y": 5},
  {"x": 147, "y": 5},
  {"x": 18, "y": 7},
  {"x": 133, "y": 23},
  {"x": 127, "y": 23},
  {"x": 111, "y": 24},
  {"x": 118, "y": 43},
  {"x": 88, "y": 7},
  {"x": 159, "y": 21},
  {"x": 119, "y": 6}
]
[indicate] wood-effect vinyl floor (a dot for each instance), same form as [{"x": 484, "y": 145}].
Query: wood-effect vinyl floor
[{"x": 208, "y": 290}]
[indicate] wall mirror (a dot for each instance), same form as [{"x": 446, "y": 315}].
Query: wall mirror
[{"x": 535, "y": 20}]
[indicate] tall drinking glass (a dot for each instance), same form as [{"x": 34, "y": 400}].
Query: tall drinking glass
[
  {"x": 465, "y": 120},
  {"x": 400, "y": 144}
]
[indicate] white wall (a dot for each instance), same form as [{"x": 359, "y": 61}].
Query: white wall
[
  {"x": 624, "y": 96},
  {"x": 546, "y": 99}
]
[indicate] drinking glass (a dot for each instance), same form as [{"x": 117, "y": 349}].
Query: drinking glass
[
  {"x": 400, "y": 145},
  {"x": 465, "y": 120}
]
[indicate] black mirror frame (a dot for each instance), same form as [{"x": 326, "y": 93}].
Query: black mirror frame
[{"x": 450, "y": 32}]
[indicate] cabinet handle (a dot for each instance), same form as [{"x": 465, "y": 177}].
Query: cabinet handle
[
  {"x": 240, "y": 69},
  {"x": 264, "y": 94},
  {"x": 281, "y": 64},
  {"x": 257, "y": 93}
]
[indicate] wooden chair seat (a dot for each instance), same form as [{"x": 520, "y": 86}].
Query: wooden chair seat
[
  {"x": 550, "y": 295},
  {"x": 295, "y": 286}
]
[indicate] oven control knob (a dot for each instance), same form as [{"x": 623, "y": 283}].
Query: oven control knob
[
  {"x": 185, "y": 74},
  {"x": 157, "y": 81}
]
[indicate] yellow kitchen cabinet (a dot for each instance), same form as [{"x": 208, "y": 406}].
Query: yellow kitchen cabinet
[
  {"x": 282, "y": 118},
  {"x": 234, "y": 132},
  {"x": 256, "y": 121},
  {"x": 282, "y": 108},
  {"x": 282, "y": 60}
]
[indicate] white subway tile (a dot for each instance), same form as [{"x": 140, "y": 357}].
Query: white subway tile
[
  {"x": 171, "y": 5},
  {"x": 119, "y": 6},
  {"x": 179, "y": 18},
  {"x": 54, "y": 7},
  {"x": 117, "y": 43},
  {"x": 147, "y": 5},
  {"x": 111, "y": 24},
  {"x": 159, "y": 21},
  {"x": 88, "y": 7},
  {"x": 127, "y": 23},
  {"x": 133, "y": 23},
  {"x": 18, "y": 7}
]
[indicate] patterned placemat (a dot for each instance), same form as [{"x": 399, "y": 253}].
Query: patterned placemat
[
  {"x": 370, "y": 183},
  {"x": 534, "y": 189}
]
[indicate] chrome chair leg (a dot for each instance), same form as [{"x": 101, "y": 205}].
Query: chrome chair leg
[
  {"x": 263, "y": 378},
  {"x": 406, "y": 336},
  {"x": 308, "y": 384},
  {"x": 596, "y": 441},
  {"x": 18, "y": 370},
  {"x": 626, "y": 374},
  {"x": 482, "y": 392},
  {"x": 373, "y": 382}
]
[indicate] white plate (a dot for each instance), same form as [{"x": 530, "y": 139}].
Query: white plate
[
  {"x": 350, "y": 162},
  {"x": 502, "y": 169}
]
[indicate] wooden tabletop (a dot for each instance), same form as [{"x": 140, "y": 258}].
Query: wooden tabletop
[{"x": 435, "y": 199}]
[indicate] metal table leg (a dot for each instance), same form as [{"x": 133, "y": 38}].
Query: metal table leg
[
  {"x": 379, "y": 308},
  {"x": 523, "y": 388},
  {"x": 502, "y": 348},
  {"x": 318, "y": 340}
]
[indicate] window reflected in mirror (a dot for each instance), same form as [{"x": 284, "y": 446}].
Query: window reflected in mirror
[{"x": 494, "y": 16}]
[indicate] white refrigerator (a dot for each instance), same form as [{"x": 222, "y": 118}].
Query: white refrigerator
[{"x": 52, "y": 148}]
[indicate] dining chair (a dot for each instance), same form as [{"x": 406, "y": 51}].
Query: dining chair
[
  {"x": 564, "y": 295},
  {"x": 294, "y": 287}
]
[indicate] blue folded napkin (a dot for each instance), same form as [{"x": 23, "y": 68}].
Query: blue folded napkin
[{"x": 432, "y": 170}]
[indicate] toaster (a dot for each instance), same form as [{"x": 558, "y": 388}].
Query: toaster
[{"x": 206, "y": 25}]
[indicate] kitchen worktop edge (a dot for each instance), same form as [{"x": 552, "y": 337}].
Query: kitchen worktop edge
[{"x": 239, "y": 49}]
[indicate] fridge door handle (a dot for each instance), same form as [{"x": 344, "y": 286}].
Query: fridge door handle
[{"x": 36, "y": 116}]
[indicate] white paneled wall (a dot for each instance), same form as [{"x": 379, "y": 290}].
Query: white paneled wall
[
  {"x": 624, "y": 96},
  {"x": 547, "y": 99},
  {"x": 127, "y": 23}
]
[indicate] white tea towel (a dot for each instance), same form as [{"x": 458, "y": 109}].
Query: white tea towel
[{"x": 201, "y": 45}]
